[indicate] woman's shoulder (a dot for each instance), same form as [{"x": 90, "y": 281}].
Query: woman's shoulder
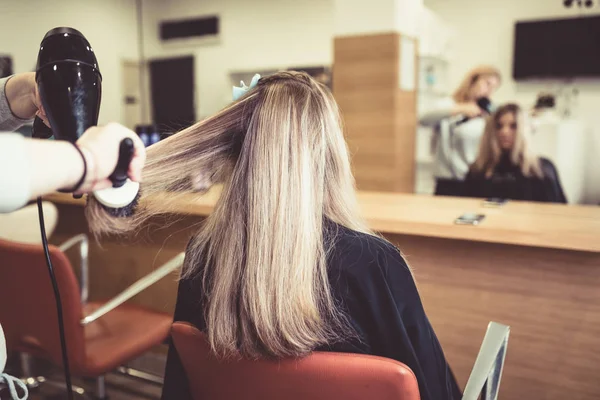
[
  {"x": 359, "y": 253},
  {"x": 548, "y": 168},
  {"x": 546, "y": 163}
]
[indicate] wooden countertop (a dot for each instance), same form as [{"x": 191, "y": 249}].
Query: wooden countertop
[{"x": 572, "y": 227}]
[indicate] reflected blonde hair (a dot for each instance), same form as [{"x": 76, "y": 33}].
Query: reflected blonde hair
[
  {"x": 520, "y": 154},
  {"x": 281, "y": 157},
  {"x": 463, "y": 92}
]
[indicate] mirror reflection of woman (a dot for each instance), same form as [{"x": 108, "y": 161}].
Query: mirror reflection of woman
[
  {"x": 507, "y": 167},
  {"x": 456, "y": 143}
]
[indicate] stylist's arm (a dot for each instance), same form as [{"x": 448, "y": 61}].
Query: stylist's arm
[
  {"x": 32, "y": 167},
  {"x": 22, "y": 96}
]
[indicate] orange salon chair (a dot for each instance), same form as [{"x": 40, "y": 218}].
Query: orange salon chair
[
  {"x": 319, "y": 376},
  {"x": 101, "y": 337}
]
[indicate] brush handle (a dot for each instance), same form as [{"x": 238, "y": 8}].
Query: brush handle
[
  {"x": 123, "y": 191},
  {"x": 119, "y": 175}
]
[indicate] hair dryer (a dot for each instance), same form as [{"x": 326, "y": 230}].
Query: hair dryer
[
  {"x": 486, "y": 106},
  {"x": 70, "y": 86}
]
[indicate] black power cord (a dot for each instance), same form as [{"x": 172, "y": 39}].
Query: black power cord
[{"x": 59, "y": 311}]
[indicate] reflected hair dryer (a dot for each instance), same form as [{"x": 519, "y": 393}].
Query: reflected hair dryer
[
  {"x": 486, "y": 106},
  {"x": 70, "y": 87}
]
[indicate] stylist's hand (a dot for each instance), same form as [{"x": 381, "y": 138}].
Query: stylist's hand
[
  {"x": 470, "y": 110},
  {"x": 100, "y": 146}
]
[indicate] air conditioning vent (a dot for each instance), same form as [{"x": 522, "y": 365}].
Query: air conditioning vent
[{"x": 190, "y": 31}]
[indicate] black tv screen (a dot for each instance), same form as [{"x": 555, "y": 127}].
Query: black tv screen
[{"x": 560, "y": 48}]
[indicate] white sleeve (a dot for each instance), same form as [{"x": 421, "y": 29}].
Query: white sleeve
[
  {"x": 15, "y": 174},
  {"x": 438, "y": 111}
]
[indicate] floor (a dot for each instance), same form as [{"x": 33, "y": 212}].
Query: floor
[{"x": 119, "y": 387}]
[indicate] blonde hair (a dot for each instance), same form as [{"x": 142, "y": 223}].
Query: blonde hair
[
  {"x": 463, "y": 92},
  {"x": 520, "y": 154},
  {"x": 282, "y": 159}
]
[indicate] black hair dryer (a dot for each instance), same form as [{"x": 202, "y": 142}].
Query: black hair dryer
[{"x": 70, "y": 87}]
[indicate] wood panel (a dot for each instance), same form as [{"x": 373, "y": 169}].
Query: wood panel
[
  {"x": 383, "y": 161},
  {"x": 354, "y": 104},
  {"x": 405, "y": 121},
  {"x": 367, "y": 74},
  {"x": 377, "y": 46},
  {"x": 380, "y": 119},
  {"x": 550, "y": 298}
]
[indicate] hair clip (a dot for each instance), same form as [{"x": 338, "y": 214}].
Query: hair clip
[{"x": 238, "y": 92}]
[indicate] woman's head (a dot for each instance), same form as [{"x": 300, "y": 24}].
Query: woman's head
[
  {"x": 506, "y": 134},
  {"x": 506, "y": 127},
  {"x": 281, "y": 156},
  {"x": 480, "y": 82}
]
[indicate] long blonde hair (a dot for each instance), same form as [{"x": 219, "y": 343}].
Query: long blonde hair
[
  {"x": 520, "y": 154},
  {"x": 463, "y": 92},
  {"x": 282, "y": 159}
]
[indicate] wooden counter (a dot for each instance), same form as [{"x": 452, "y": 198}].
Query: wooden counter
[
  {"x": 535, "y": 267},
  {"x": 519, "y": 223}
]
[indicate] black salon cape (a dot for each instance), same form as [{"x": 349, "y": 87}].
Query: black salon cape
[
  {"x": 373, "y": 283},
  {"x": 508, "y": 182}
]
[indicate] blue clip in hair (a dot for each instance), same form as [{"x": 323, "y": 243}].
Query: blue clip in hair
[{"x": 238, "y": 92}]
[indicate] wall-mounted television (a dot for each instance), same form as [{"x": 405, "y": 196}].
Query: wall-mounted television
[{"x": 558, "y": 48}]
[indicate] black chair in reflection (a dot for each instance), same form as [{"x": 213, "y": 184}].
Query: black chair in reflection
[{"x": 511, "y": 184}]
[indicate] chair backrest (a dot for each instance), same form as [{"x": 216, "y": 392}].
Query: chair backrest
[
  {"x": 27, "y": 304},
  {"x": 319, "y": 376}
]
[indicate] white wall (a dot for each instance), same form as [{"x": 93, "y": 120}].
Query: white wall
[
  {"x": 484, "y": 34},
  {"x": 359, "y": 17},
  {"x": 109, "y": 25},
  {"x": 255, "y": 34}
]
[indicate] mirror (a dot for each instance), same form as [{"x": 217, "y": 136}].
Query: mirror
[{"x": 544, "y": 56}]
